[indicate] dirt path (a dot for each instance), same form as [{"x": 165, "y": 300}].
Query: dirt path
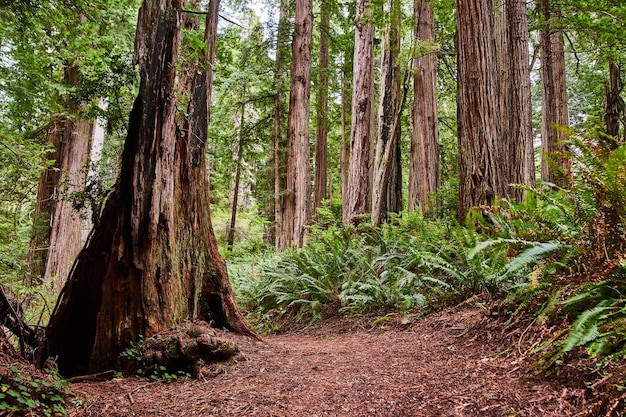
[{"x": 439, "y": 366}]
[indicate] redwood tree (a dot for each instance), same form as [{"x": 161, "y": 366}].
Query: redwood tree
[
  {"x": 321, "y": 119},
  {"x": 57, "y": 237},
  {"x": 297, "y": 198},
  {"x": 152, "y": 260},
  {"x": 481, "y": 163},
  {"x": 356, "y": 193},
  {"x": 387, "y": 184},
  {"x": 515, "y": 98},
  {"x": 554, "y": 108},
  {"x": 424, "y": 165},
  {"x": 278, "y": 144}
]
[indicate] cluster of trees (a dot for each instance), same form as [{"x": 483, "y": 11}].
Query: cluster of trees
[{"x": 329, "y": 101}]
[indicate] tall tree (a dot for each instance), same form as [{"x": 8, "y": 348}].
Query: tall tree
[
  {"x": 57, "y": 236},
  {"x": 554, "y": 107},
  {"x": 152, "y": 260},
  {"x": 278, "y": 143},
  {"x": 297, "y": 199},
  {"x": 424, "y": 165},
  {"x": 481, "y": 164},
  {"x": 614, "y": 107},
  {"x": 387, "y": 184},
  {"x": 357, "y": 191},
  {"x": 511, "y": 26},
  {"x": 321, "y": 133}
]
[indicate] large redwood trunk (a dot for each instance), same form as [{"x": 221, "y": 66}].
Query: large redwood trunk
[
  {"x": 321, "y": 134},
  {"x": 297, "y": 199},
  {"x": 481, "y": 163},
  {"x": 152, "y": 260},
  {"x": 554, "y": 108},
  {"x": 424, "y": 166},
  {"x": 357, "y": 191},
  {"x": 387, "y": 184},
  {"x": 58, "y": 236}
]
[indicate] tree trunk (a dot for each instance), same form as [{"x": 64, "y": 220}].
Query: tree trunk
[
  {"x": 387, "y": 166},
  {"x": 297, "y": 199},
  {"x": 357, "y": 190},
  {"x": 152, "y": 260},
  {"x": 321, "y": 134},
  {"x": 515, "y": 98},
  {"x": 279, "y": 145},
  {"x": 424, "y": 166},
  {"x": 235, "y": 199},
  {"x": 346, "y": 101},
  {"x": 481, "y": 166},
  {"x": 57, "y": 236},
  {"x": 554, "y": 114},
  {"x": 614, "y": 108}
]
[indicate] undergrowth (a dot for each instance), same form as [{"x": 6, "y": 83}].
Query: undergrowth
[{"x": 558, "y": 256}]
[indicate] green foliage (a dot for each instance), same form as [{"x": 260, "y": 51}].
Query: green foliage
[
  {"x": 30, "y": 395},
  {"x": 134, "y": 355},
  {"x": 588, "y": 288},
  {"x": 409, "y": 263}
]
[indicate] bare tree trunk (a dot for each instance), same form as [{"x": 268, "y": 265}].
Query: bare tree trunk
[
  {"x": 614, "y": 108},
  {"x": 481, "y": 165},
  {"x": 387, "y": 168},
  {"x": 57, "y": 236},
  {"x": 152, "y": 260},
  {"x": 424, "y": 167},
  {"x": 515, "y": 98},
  {"x": 554, "y": 114},
  {"x": 321, "y": 135},
  {"x": 278, "y": 144},
  {"x": 346, "y": 100},
  {"x": 357, "y": 191},
  {"x": 235, "y": 199},
  {"x": 297, "y": 199}
]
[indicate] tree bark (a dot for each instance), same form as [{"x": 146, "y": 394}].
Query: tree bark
[
  {"x": 424, "y": 165},
  {"x": 57, "y": 236},
  {"x": 297, "y": 198},
  {"x": 387, "y": 185},
  {"x": 321, "y": 134},
  {"x": 481, "y": 164},
  {"x": 357, "y": 190},
  {"x": 235, "y": 199},
  {"x": 554, "y": 114},
  {"x": 515, "y": 95},
  {"x": 346, "y": 101},
  {"x": 152, "y": 260},
  {"x": 279, "y": 144},
  {"x": 614, "y": 108}
]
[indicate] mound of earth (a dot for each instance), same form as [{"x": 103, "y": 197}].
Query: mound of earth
[{"x": 448, "y": 364}]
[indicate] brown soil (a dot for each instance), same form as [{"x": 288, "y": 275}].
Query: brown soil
[{"x": 444, "y": 365}]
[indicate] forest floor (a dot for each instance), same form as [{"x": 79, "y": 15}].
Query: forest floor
[{"x": 454, "y": 363}]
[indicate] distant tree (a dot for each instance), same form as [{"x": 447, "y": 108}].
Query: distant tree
[
  {"x": 297, "y": 199},
  {"x": 152, "y": 260},
  {"x": 387, "y": 183},
  {"x": 58, "y": 235},
  {"x": 278, "y": 143},
  {"x": 424, "y": 165},
  {"x": 356, "y": 194},
  {"x": 321, "y": 118},
  {"x": 554, "y": 104}
]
